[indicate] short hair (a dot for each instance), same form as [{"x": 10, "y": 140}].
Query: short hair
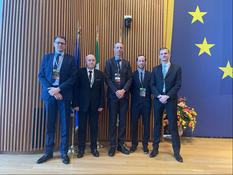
[
  {"x": 163, "y": 48},
  {"x": 59, "y": 36},
  {"x": 117, "y": 43},
  {"x": 140, "y": 56}
]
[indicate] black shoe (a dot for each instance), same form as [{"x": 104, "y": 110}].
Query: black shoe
[
  {"x": 45, "y": 157},
  {"x": 95, "y": 152},
  {"x": 122, "y": 149},
  {"x": 65, "y": 159},
  {"x": 111, "y": 151},
  {"x": 178, "y": 157},
  {"x": 154, "y": 153},
  {"x": 80, "y": 153},
  {"x": 145, "y": 149},
  {"x": 133, "y": 148}
]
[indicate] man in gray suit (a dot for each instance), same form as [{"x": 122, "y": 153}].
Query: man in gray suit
[{"x": 118, "y": 77}]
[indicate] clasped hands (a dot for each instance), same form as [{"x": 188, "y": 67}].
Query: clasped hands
[
  {"x": 77, "y": 109},
  {"x": 55, "y": 91},
  {"x": 120, "y": 93},
  {"x": 163, "y": 98}
]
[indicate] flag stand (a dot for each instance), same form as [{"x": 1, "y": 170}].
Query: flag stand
[{"x": 72, "y": 148}]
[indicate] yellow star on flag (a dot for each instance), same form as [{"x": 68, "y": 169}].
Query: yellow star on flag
[
  {"x": 197, "y": 15},
  {"x": 204, "y": 47},
  {"x": 228, "y": 70}
]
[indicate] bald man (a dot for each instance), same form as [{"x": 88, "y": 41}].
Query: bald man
[{"x": 88, "y": 101}]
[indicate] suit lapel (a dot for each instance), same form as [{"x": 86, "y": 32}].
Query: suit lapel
[
  {"x": 114, "y": 64},
  {"x": 145, "y": 79},
  {"x": 95, "y": 77},
  {"x": 137, "y": 79},
  {"x": 160, "y": 71},
  {"x": 50, "y": 63},
  {"x": 63, "y": 63},
  {"x": 169, "y": 71},
  {"x": 85, "y": 74}
]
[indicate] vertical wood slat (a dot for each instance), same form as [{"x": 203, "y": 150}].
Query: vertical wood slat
[{"x": 27, "y": 32}]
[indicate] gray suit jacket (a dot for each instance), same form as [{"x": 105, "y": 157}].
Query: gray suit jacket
[{"x": 125, "y": 78}]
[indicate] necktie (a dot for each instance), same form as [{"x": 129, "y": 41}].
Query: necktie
[
  {"x": 164, "y": 75},
  {"x": 141, "y": 78},
  {"x": 90, "y": 76},
  {"x": 57, "y": 61},
  {"x": 118, "y": 65},
  {"x": 164, "y": 71}
]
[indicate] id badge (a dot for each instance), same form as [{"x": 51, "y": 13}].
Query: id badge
[
  {"x": 117, "y": 78},
  {"x": 143, "y": 92},
  {"x": 56, "y": 75}
]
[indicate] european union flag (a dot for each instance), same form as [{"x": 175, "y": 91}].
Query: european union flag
[
  {"x": 202, "y": 45},
  {"x": 77, "y": 61}
]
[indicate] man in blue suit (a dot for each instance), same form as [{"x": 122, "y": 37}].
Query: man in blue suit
[
  {"x": 140, "y": 104},
  {"x": 89, "y": 100},
  {"x": 165, "y": 84},
  {"x": 57, "y": 76}
]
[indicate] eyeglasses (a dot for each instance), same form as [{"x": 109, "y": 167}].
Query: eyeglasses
[{"x": 57, "y": 42}]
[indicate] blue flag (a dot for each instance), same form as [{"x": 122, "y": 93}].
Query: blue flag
[
  {"x": 77, "y": 61},
  {"x": 202, "y": 45}
]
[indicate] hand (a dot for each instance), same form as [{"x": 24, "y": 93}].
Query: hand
[
  {"x": 120, "y": 93},
  {"x": 76, "y": 108},
  {"x": 58, "y": 96},
  {"x": 53, "y": 90},
  {"x": 100, "y": 109},
  {"x": 163, "y": 99}
]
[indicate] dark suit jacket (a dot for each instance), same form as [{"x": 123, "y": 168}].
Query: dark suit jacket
[
  {"x": 172, "y": 81},
  {"x": 136, "y": 99},
  {"x": 67, "y": 76},
  {"x": 125, "y": 76},
  {"x": 86, "y": 95}
]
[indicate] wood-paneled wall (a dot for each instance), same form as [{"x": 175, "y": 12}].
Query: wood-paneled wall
[{"x": 27, "y": 32}]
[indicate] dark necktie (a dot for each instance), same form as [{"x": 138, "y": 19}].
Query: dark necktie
[
  {"x": 141, "y": 78},
  {"x": 57, "y": 61},
  {"x": 118, "y": 65},
  {"x": 90, "y": 75}
]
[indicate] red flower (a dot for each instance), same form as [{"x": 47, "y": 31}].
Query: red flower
[
  {"x": 178, "y": 123},
  {"x": 166, "y": 122},
  {"x": 180, "y": 99},
  {"x": 190, "y": 124},
  {"x": 186, "y": 110}
]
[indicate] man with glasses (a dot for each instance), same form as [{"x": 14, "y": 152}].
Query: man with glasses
[{"x": 57, "y": 76}]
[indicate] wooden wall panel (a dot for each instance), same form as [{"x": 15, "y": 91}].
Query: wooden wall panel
[{"x": 27, "y": 32}]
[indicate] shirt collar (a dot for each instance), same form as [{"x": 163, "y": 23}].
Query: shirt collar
[
  {"x": 140, "y": 70},
  {"x": 166, "y": 65},
  {"x": 118, "y": 59},
  {"x": 62, "y": 54},
  {"x": 90, "y": 70}
]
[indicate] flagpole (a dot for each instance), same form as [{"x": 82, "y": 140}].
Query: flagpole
[
  {"x": 73, "y": 149},
  {"x": 97, "y": 67}
]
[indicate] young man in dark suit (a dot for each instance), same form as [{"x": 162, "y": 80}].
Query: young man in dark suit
[
  {"x": 165, "y": 84},
  {"x": 57, "y": 76},
  {"x": 118, "y": 77},
  {"x": 140, "y": 104},
  {"x": 88, "y": 100}
]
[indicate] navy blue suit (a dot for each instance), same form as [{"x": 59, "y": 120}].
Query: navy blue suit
[
  {"x": 115, "y": 105},
  {"x": 88, "y": 99},
  {"x": 173, "y": 84},
  {"x": 140, "y": 105},
  {"x": 67, "y": 79}
]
